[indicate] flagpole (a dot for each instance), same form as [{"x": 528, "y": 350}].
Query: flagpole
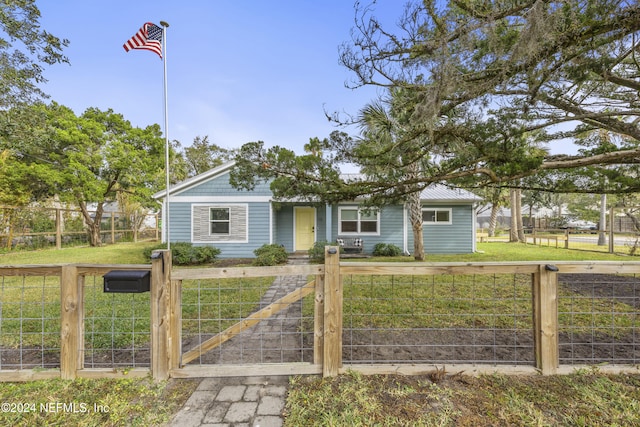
[{"x": 165, "y": 25}]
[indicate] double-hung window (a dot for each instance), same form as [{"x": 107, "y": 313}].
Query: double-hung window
[
  {"x": 355, "y": 221},
  {"x": 436, "y": 216},
  {"x": 219, "y": 220}
]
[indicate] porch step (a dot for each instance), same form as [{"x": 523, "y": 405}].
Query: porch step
[{"x": 299, "y": 255}]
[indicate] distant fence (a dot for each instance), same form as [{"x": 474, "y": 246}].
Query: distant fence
[
  {"x": 614, "y": 243},
  {"x": 610, "y": 242},
  {"x": 520, "y": 317},
  {"x": 622, "y": 233},
  {"x": 41, "y": 227},
  {"x": 619, "y": 224}
]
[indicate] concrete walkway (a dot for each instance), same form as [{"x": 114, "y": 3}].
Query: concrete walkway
[{"x": 250, "y": 401}]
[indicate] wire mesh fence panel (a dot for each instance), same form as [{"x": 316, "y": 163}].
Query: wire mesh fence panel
[
  {"x": 438, "y": 319},
  {"x": 117, "y": 327},
  {"x": 239, "y": 321},
  {"x": 29, "y": 322},
  {"x": 599, "y": 319}
]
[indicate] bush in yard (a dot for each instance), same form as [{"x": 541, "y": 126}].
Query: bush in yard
[
  {"x": 270, "y": 255},
  {"x": 316, "y": 253},
  {"x": 386, "y": 249},
  {"x": 184, "y": 253}
]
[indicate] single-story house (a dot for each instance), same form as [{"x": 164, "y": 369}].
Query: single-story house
[{"x": 207, "y": 210}]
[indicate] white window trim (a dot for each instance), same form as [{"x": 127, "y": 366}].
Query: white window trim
[
  {"x": 357, "y": 233},
  {"x": 450, "y": 210}
]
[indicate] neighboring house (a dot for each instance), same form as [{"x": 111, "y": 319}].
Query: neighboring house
[
  {"x": 540, "y": 217},
  {"x": 207, "y": 210}
]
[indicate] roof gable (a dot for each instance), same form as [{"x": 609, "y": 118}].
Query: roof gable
[{"x": 196, "y": 180}]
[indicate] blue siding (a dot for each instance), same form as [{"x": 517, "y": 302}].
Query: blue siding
[
  {"x": 284, "y": 227},
  {"x": 391, "y": 227},
  {"x": 457, "y": 237},
  {"x": 321, "y": 223},
  {"x": 454, "y": 238},
  {"x": 220, "y": 186}
]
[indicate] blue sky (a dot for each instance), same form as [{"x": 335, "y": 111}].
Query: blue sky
[{"x": 237, "y": 70}]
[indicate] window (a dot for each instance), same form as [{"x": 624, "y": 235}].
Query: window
[
  {"x": 355, "y": 221},
  {"x": 436, "y": 216},
  {"x": 219, "y": 220},
  {"x": 219, "y": 223}
]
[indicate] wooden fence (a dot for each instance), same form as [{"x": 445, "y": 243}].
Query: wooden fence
[
  {"x": 167, "y": 358},
  {"x": 38, "y": 227}
]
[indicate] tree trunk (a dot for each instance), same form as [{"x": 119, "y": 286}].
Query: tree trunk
[
  {"x": 93, "y": 224},
  {"x": 634, "y": 220},
  {"x": 493, "y": 219},
  {"x": 9, "y": 215},
  {"x": 415, "y": 218},
  {"x": 521, "y": 237},
  {"x": 602, "y": 226},
  {"x": 513, "y": 233}
]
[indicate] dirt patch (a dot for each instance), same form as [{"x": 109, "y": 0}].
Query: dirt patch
[
  {"x": 438, "y": 346},
  {"x": 624, "y": 289}
]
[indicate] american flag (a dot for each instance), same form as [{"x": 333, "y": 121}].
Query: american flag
[{"x": 149, "y": 37}]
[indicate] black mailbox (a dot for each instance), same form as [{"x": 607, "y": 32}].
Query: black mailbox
[{"x": 127, "y": 281}]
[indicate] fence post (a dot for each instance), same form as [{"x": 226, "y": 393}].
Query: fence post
[
  {"x": 545, "y": 318},
  {"x": 318, "y": 321},
  {"x": 157, "y": 227},
  {"x": 71, "y": 322},
  {"x": 612, "y": 243},
  {"x": 113, "y": 228},
  {"x": 332, "y": 323},
  {"x": 175, "y": 323},
  {"x": 58, "y": 229},
  {"x": 160, "y": 309}
]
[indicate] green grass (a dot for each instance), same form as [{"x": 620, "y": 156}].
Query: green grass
[
  {"x": 112, "y": 320},
  {"x": 585, "y": 398},
  {"x": 469, "y": 301},
  {"x": 475, "y": 301},
  {"x": 211, "y": 306},
  {"x": 95, "y": 402},
  {"x": 122, "y": 253},
  {"x": 31, "y": 304},
  {"x": 497, "y": 251}
]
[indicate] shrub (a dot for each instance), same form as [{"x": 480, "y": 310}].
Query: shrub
[
  {"x": 184, "y": 253},
  {"x": 149, "y": 250},
  {"x": 316, "y": 253},
  {"x": 270, "y": 255},
  {"x": 386, "y": 249}
]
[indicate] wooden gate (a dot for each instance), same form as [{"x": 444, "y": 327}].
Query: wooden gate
[{"x": 178, "y": 359}]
